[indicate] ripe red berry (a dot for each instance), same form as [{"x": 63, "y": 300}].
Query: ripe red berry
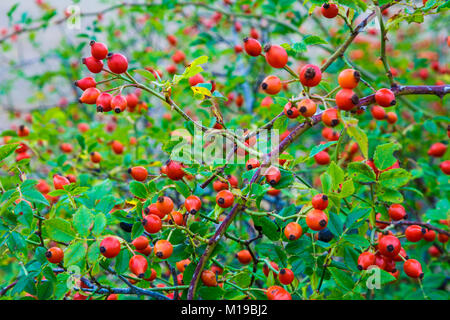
[
  {"x": 307, "y": 108},
  {"x": 174, "y": 170},
  {"x": 414, "y": 233},
  {"x": 434, "y": 251},
  {"x": 278, "y": 293},
  {"x": 252, "y": 47},
  {"x": 316, "y": 220},
  {"x": 276, "y": 56},
  {"x": 389, "y": 246},
  {"x": 178, "y": 56},
  {"x": 397, "y": 212},
  {"x": 98, "y": 50},
  {"x": 445, "y": 167},
  {"x": 132, "y": 101},
  {"x": 146, "y": 251},
  {"x": 293, "y": 231},
  {"x": 117, "y": 147},
  {"x": 54, "y": 255},
  {"x": 119, "y": 103},
  {"x": 385, "y": 98},
  {"x": 86, "y": 83},
  {"x": 164, "y": 205},
  {"x": 194, "y": 80},
  {"x": 110, "y": 247},
  {"x": 140, "y": 243},
  {"x": 182, "y": 264},
  {"x": 66, "y": 147},
  {"x": 391, "y": 117},
  {"x": 310, "y": 75},
  {"x": 90, "y": 96},
  {"x": 252, "y": 163},
  {"x": 224, "y": 199},
  {"x": 291, "y": 111},
  {"x": 192, "y": 204},
  {"x": 273, "y": 175},
  {"x": 23, "y": 131},
  {"x": 443, "y": 238},
  {"x": 320, "y": 201},
  {"x": 413, "y": 268},
  {"x": 401, "y": 254},
  {"x": 219, "y": 185},
  {"x": 176, "y": 217},
  {"x": 329, "y": 10},
  {"x": 429, "y": 235},
  {"x": 346, "y": 99},
  {"x": 138, "y": 265},
  {"x": 271, "y": 85},
  {"x": 378, "y": 112},
  {"x": 138, "y": 173},
  {"x": 172, "y": 39},
  {"x": 437, "y": 150},
  {"x": 93, "y": 65},
  {"x": 244, "y": 256},
  {"x": 152, "y": 209},
  {"x": 286, "y": 276},
  {"x": 266, "y": 269},
  {"x": 104, "y": 102},
  {"x": 163, "y": 249},
  {"x": 209, "y": 278},
  {"x": 330, "y": 117},
  {"x": 59, "y": 181},
  {"x": 96, "y": 157},
  {"x": 117, "y": 63},
  {"x": 322, "y": 158},
  {"x": 365, "y": 260},
  {"x": 348, "y": 78}
]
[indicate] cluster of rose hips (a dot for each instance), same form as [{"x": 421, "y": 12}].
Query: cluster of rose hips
[
  {"x": 437, "y": 150},
  {"x": 105, "y": 101},
  {"x": 389, "y": 249},
  {"x": 310, "y": 76},
  {"x": 22, "y": 150}
]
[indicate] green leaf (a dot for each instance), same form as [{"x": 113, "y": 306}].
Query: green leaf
[
  {"x": 326, "y": 181},
  {"x": 34, "y": 196},
  {"x": 45, "y": 290},
  {"x": 269, "y": 228},
  {"x": 82, "y": 221},
  {"x": 361, "y": 139},
  {"x": 384, "y": 155},
  {"x": 389, "y": 195},
  {"x": 138, "y": 189},
  {"x": 25, "y": 213},
  {"x": 335, "y": 224},
  {"x": 74, "y": 253},
  {"x": 347, "y": 189},
  {"x": 99, "y": 224},
  {"x": 59, "y": 230},
  {"x": 336, "y": 174},
  {"x": 343, "y": 279},
  {"x": 394, "y": 178},
  {"x": 361, "y": 172},
  {"x": 312, "y": 40},
  {"x": 357, "y": 240},
  {"x": 122, "y": 261},
  {"x": 316, "y": 149},
  {"x": 7, "y": 150},
  {"x": 93, "y": 252}
]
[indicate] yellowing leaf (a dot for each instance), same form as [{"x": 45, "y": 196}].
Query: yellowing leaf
[{"x": 204, "y": 92}]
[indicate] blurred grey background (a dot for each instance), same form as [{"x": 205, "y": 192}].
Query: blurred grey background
[{"x": 28, "y": 57}]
